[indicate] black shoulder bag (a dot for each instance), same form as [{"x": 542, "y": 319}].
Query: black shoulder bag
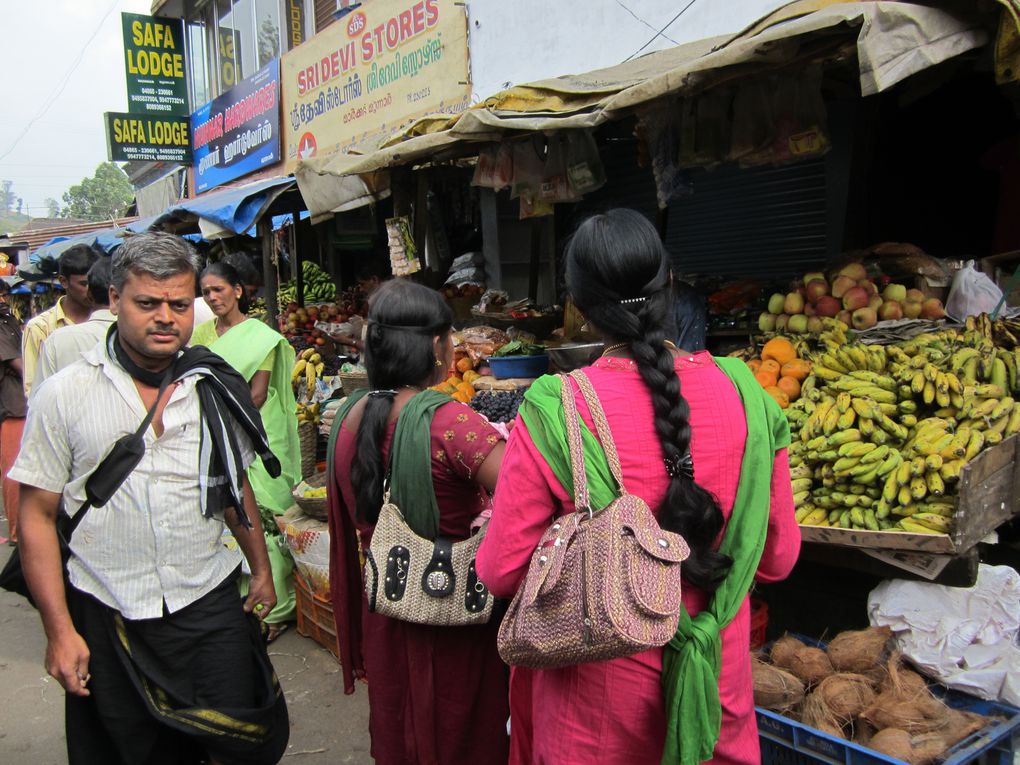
[{"x": 102, "y": 483}]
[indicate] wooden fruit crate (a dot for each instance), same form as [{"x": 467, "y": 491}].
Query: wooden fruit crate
[{"x": 989, "y": 496}]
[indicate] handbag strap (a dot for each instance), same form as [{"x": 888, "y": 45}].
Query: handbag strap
[
  {"x": 598, "y": 414},
  {"x": 582, "y": 499},
  {"x": 140, "y": 433}
]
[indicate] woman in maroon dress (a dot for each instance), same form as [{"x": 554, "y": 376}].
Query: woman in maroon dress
[{"x": 437, "y": 695}]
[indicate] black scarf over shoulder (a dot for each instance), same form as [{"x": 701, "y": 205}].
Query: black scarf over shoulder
[{"x": 225, "y": 402}]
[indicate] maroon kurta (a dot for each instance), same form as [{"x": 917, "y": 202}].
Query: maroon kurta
[{"x": 437, "y": 695}]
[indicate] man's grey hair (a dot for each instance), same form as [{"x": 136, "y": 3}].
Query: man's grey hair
[{"x": 157, "y": 254}]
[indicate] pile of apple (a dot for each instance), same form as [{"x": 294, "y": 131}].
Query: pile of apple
[
  {"x": 851, "y": 297},
  {"x": 298, "y": 322}
]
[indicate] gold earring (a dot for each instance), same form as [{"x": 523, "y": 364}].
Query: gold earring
[{"x": 439, "y": 363}]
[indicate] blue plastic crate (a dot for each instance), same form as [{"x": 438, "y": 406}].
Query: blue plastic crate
[
  {"x": 787, "y": 742},
  {"x": 527, "y": 367}
]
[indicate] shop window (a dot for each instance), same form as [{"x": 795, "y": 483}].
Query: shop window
[{"x": 229, "y": 40}]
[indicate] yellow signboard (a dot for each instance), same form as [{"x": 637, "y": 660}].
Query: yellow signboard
[{"x": 378, "y": 69}]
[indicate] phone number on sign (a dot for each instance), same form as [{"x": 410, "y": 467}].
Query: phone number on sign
[{"x": 419, "y": 95}]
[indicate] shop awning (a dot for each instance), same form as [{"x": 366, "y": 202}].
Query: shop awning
[
  {"x": 892, "y": 41},
  {"x": 225, "y": 213}
]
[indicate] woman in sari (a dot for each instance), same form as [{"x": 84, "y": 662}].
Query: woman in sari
[
  {"x": 702, "y": 444},
  {"x": 436, "y": 695},
  {"x": 265, "y": 359}
]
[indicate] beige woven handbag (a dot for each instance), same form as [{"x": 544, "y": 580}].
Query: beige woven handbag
[
  {"x": 418, "y": 580},
  {"x": 602, "y": 583}
]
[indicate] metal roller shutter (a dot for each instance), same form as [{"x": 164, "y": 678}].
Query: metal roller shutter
[{"x": 764, "y": 221}]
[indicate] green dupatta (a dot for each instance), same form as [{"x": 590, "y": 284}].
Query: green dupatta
[
  {"x": 410, "y": 476},
  {"x": 245, "y": 347},
  {"x": 691, "y": 660}
]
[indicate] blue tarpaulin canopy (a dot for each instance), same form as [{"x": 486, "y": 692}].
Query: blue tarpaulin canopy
[{"x": 228, "y": 212}]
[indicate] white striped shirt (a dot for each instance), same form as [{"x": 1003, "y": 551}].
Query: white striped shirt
[{"x": 150, "y": 543}]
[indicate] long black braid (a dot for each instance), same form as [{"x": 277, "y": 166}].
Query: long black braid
[{"x": 617, "y": 272}]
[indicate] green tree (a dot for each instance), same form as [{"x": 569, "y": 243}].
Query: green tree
[
  {"x": 52, "y": 207},
  {"x": 7, "y": 195},
  {"x": 103, "y": 196}
]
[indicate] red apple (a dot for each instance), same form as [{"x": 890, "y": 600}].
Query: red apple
[
  {"x": 891, "y": 310},
  {"x": 845, "y": 316},
  {"x": 864, "y": 318},
  {"x": 320, "y": 341},
  {"x": 767, "y": 322},
  {"x": 815, "y": 326},
  {"x": 776, "y": 303},
  {"x": 292, "y": 306},
  {"x": 813, "y": 276},
  {"x": 781, "y": 322},
  {"x": 855, "y": 271},
  {"x": 827, "y": 306},
  {"x": 875, "y": 302},
  {"x": 809, "y": 309},
  {"x": 869, "y": 286},
  {"x": 914, "y": 296},
  {"x": 855, "y": 297},
  {"x": 895, "y": 292},
  {"x": 932, "y": 309},
  {"x": 816, "y": 288},
  {"x": 842, "y": 285}
]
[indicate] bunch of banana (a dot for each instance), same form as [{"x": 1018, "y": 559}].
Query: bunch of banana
[
  {"x": 308, "y": 413},
  {"x": 309, "y": 366},
  {"x": 1004, "y": 333},
  {"x": 319, "y": 286}
]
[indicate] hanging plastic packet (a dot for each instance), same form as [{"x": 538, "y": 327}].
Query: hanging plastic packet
[
  {"x": 584, "y": 164},
  {"x": 753, "y": 125},
  {"x": 660, "y": 130},
  {"x": 529, "y": 165},
  {"x": 556, "y": 186},
  {"x": 800, "y": 117}
]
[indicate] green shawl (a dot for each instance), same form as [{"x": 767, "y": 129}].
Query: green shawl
[
  {"x": 245, "y": 347},
  {"x": 410, "y": 476},
  {"x": 691, "y": 660}
]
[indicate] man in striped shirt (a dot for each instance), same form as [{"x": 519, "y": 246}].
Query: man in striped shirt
[{"x": 149, "y": 638}]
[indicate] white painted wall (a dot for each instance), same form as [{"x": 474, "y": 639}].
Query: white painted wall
[{"x": 517, "y": 41}]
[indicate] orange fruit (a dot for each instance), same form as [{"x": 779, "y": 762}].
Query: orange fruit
[
  {"x": 765, "y": 379},
  {"x": 798, "y": 369},
  {"x": 464, "y": 365},
  {"x": 779, "y": 349},
  {"x": 753, "y": 365},
  {"x": 781, "y": 398},
  {"x": 771, "y": 366},
  {"x": 790, "y": 386}
]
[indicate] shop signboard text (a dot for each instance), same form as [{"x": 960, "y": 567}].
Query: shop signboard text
[
  {"x": 147, "y": 138},
  {"x": 379, "y": 68},
  {"x": 238, "y": 132},
  {"x": 154, "y": 63}
]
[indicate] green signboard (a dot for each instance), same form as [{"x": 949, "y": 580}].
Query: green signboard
[
  {"x": 148, "y": 138},
  {"x": 157, "y": 81}
]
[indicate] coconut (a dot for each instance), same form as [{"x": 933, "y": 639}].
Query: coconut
[
  {"x": 959, "y": 725},
  {"x": 905, "y": 682},
  {"x": 894, "y": 743},
  {"x": 810, "y": 664},
  {"x": 775, "y": 688},
  {"x": 816, "y": 714},
  {"x": 846, "y": 695},
  {"x": 914, "y": 715},
  {"x": 928, "y": 748},
  {"x": 859, "y": 651},
  {"x": 784, "y": 649},
  {"x": 862, "y": 732}
]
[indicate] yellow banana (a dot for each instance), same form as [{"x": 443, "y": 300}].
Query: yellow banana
[
  {"x": 936, "y": 486},
  {"x": 975, "y": 445},
  {"x": 933, "y": 521}
]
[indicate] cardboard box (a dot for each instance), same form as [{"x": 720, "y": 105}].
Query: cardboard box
[
  {"x": 1000, "y": 269},
  {"x": 989, "y": 496}
]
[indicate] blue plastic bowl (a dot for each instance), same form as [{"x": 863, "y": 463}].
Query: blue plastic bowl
[{"x": 528, "y": 367}]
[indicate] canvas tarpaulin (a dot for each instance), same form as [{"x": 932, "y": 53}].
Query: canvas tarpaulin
[{"x": 892, "y": 41}]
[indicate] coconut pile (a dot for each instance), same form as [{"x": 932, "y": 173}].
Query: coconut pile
[{"x": 857, "y": 691}]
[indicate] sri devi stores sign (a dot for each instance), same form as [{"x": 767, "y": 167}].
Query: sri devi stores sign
[{"x": 376, "y": 70}]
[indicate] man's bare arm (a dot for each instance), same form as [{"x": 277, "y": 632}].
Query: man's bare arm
[{"x": 261, "y": 592}]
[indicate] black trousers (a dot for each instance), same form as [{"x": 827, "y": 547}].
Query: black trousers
[{"x": 172, "y": 690}]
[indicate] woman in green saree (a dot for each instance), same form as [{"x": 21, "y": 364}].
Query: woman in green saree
[{"x": 265, "y": 359}]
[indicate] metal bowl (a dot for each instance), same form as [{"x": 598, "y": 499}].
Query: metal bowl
[{"x": 571, "y": 356}]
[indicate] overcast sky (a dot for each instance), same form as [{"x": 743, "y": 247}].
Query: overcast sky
[{"x": 42, "y": 39}]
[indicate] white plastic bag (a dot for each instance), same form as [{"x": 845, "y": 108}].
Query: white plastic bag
[
  {"x": 966, "y": 638},
  {"x": 972, "y": 293}
]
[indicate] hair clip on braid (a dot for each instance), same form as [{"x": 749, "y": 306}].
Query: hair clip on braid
[
  {"x": 633, "y": 301},
  {"x": 680, "y": 467}
]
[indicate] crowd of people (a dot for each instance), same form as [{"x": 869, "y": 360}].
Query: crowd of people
[{"x": 157, "y": 625}]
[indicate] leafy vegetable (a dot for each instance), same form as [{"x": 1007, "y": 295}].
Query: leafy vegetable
[{"x": 520, "y": 348}]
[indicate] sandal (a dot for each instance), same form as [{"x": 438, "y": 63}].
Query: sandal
[{"x": 274, "y": 631}]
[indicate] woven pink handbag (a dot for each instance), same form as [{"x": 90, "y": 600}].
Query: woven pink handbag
[{"x": 602, "y": 583}]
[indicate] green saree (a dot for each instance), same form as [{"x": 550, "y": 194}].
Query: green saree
[{"x": 248, "y": 347}]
